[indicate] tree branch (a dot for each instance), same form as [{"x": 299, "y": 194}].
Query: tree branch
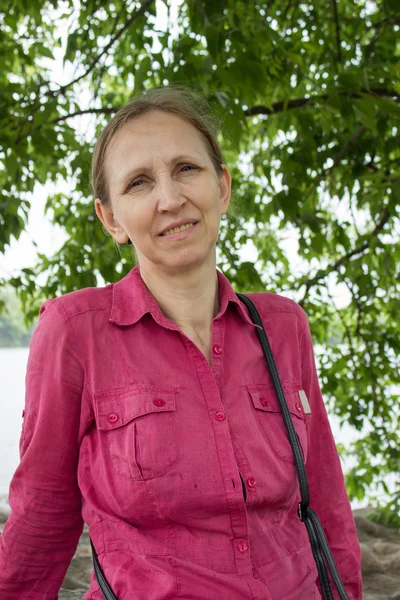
[
  {"x": 300, "y": 102},
  {"x": 335, "y": 266},
  {"x": 277, "y": 107},
  {"x": 88, "y": 111},
  {"x": 116, "y": 37},
  {"x": 337, "y": 26}
]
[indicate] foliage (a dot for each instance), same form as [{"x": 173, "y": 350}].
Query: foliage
[
  {"x": 387, "y": 515},
  {"x": 308, "y": 94},
  {"x": 13, "y": 331}
]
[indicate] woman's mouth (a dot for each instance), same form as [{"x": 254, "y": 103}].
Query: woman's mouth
[{"x": 179, "y": 232}]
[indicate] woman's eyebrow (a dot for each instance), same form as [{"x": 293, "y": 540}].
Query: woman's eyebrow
[
  {"x": 132, "y": 172},
  {"x": 145, "y": 169}
]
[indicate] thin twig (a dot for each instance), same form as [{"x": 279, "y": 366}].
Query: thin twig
[
  {"x": 116, "y": 37},
  {"x": 112, "y": 32},
  {"x": 353, "y": 216},
  {"x": 348, "y": 336},
  {"x": 343, "y": 151},
  {"x": 324, "y": 173},
  {"x": 358, "y": 250}
]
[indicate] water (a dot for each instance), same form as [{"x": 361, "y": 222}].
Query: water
[
  {"x": 12, "y": 377},
  {"x": 13, "y": 363}
]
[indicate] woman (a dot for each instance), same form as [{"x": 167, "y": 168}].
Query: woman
[{"x": 150, "y": 412}]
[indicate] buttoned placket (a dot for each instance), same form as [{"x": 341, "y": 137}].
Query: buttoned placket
[{"x": 210, "y": 378}]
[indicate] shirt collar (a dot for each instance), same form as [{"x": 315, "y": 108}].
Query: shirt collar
[{"x": 131, "y": 300}]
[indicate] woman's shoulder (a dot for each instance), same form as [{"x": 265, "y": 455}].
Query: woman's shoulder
[
  {"x": 271, "y": 302},
  {"x": 281, "y": 312},
  {"x": 78, "y": 302}
]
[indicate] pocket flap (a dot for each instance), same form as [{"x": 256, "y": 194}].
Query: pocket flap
[
  {"x": 115, "y": 408},
  {"x": 264, "y": 398}
]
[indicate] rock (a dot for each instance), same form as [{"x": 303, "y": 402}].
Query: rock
[
  {"x": 385, "y": 548},
  {"x": 380, "y": 558},
  {"x": 78, "y": 574},
  {"x": 393, "y": 562},
  {"x": 4, "y": 512},
  {"x": 68, "y": 595},
  {"x": 370, "y": 561},
  {"x": 366, "y": 528}
]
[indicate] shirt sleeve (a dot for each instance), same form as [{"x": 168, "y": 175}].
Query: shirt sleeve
[
  {"x": 45, "y": 522},
  {"x": 328, "y": 495}
]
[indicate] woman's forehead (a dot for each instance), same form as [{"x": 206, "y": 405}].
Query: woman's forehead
[
  {"x": 156, "y": 135},
  {"x": 156, "y": 131}
]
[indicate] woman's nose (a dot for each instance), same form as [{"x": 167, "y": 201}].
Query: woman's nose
[{"x": 169, "y": 195}]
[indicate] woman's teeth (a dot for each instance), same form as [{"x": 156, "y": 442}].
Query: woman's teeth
[{"x": 176, "y": 229}]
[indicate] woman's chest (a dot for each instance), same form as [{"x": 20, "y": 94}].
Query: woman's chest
[
  {"x": 185, "y": 433},
  {"x": 203, "y": 343}
]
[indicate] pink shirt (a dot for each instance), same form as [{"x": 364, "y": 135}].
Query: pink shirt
[{"x": 182, "y": 470}]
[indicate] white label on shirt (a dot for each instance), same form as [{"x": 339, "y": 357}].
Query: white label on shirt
[{"x": 304, "y": 401}]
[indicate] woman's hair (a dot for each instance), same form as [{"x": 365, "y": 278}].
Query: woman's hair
[{"x": 177, "y": 100}]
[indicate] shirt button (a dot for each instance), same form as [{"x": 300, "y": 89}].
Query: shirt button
[
  {"x": 112, "y": 418},
  {"x": 242, "y": 547},
  {"x": 23, "y": 414},
  {"x": 159, "y": 402},
  {"x": 251, "y": 482},
  {"x": 217, "y": 349},
  {"x": 298, "y": 406},
  {"x": 220, "y": 416},
  {"x": 263, "y": 401}
]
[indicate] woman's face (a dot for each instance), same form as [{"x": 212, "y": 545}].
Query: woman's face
[{"x": 159, "y": 172}]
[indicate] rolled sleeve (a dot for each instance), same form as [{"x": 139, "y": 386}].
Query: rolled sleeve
[
  {"x": 328, "y": 494},
  {"x": 45, "y": 523}
]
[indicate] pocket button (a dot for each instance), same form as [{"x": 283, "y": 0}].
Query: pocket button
[
  {"x": 263, "y": 401},
  {"x": 112, "y": 418},
  {"x": 159, "y": 402}
]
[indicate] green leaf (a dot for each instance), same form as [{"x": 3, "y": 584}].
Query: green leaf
[
  {"x": 365, "y": 109},
  {"x": 388, "y": 106}
]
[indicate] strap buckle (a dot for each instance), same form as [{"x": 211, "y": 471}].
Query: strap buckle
[{"x": 301, "y": 511}]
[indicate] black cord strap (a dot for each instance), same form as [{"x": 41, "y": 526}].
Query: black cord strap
[
  {"x": 319, "y": 545},
  {"x": 101, "y": 580}
]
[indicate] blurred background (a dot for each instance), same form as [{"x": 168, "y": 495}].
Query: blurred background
[{"x": 308, "y": 99}]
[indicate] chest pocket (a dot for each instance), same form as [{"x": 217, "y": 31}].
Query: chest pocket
[
  {"x": 270, "y": 418},
  {"x": 137, "y": 430}
]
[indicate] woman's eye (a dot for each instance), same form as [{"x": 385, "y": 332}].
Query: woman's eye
[
  {"x": 186, "y": 168},
  {"x": 139, "y": 182},
  {"x": 135, "y": 183}
]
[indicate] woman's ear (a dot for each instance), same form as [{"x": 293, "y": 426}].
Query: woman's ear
[
  {"x": 106, "y": 216},
  {"x": 225, "y": 184}
]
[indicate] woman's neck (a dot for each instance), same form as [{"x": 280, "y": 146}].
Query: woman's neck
[{"x": 190, "y": 299}]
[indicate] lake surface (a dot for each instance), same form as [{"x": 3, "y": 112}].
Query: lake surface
[
  {"x": 13, "y": 363},
  {"x": 12, "y": 400}
]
